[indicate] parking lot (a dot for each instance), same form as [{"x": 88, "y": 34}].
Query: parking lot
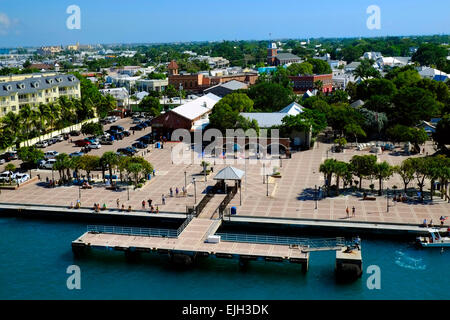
[{"x": 66, "y": 146}]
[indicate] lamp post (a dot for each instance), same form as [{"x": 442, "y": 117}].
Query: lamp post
[
  {"x": 185, "y": 181},
  {"x": 195, "y": 191},
  {"x": 128, "y": 187},
  {"x": 264, "y": 171},
  {"x": 53, "y": 178},
  {"x": 315, "y": 196},
  {"x": 267, "y": 183},
  {"x": 387, "y": 200},
  {"x": 79, "y": 192}
]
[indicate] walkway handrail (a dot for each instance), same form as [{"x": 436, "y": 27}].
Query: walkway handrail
[
  {"x": 133, "y": 231},
  {"x": 184, "y": 225},
  {"x": 278, "y": 240}
]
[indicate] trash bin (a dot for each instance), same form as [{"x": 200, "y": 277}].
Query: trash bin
[{"x": 233, "y": 211}]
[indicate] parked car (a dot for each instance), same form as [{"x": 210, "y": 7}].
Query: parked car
[
  {"x": 125, "y": 151},
  {"x": 11, "y": 155},
  {"x": 21, "y": 177},
  {"x": 137, "y": 128},
  {"x": 6, "y": 175},
  {"x": 136, "y": 120},
  {"x": 126, "y": 133},
  {"x": 95, "y": 145},
  {"x": 48, "y": 164},
  {"x": 111, "y": 119},
  {"x": 91, "y": 139},
  {"x": 146, "y": 139},
  {"x": 117, "y": 128},
  {"x": 59, "y": 138},
  {"x": 82, "y": 143},
  {"x": 52, "y": 140},
  {"x": 140, "y": 145},
  {"x": 76, "y": 154},
  {"x": 42, "y": 144},
  {"x": 50, "y": 154},
  {"x": 106, "y": 141},
  {"x": 118, "y": 135},
  {"x": 2, "y": 160}
]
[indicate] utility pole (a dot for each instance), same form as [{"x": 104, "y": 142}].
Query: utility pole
[
  {"x": 315, "y": 196},
  {"x": 195, "y": 191}
]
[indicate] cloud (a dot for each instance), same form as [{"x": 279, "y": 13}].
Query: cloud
[{"x": 5, "y": 23}]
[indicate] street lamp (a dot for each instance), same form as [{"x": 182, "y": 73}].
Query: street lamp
[
  {"x": 195, "y": 191},
  {"x": 185, "y": 181},
  {"x": 128, "y": 187},
  {"x": 387, "y": 200},
  {"x": 315, "y": 196},
  {"x": 79, "y": 192},
  {"x": 53, "y": 178}
]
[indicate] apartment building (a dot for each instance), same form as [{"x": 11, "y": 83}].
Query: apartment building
[{"x": 34, "y": 90}]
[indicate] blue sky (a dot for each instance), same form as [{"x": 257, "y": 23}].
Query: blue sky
[{"x": 35, "y": 23}]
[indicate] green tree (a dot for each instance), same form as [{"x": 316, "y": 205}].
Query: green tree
[
  {"x": 363, "y": 166},
  {"x": 430, "y": 54},
  {"x": 320, "y": 66},
  {"x": 304, "y": 68},
  {"x": 111, "y": 160},
  {"x": 92, "y": 128},
  {"x": 151, "y": 104},
  {"x": 270, "y": 97},
  {"x": 366, "y": 70},
  {"x": 442, "y": 134},
  {"x": 89, "y": 163},
  {"x": 382, "y": 171},
  {"x": 10, "y": 167},
  {"x": 327, "y": 168}
]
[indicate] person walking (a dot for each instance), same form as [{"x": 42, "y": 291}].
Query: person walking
[
  {"x": 353, "y": 211},
  {"x": 143, "y": 204},
  {"x": 149, "y": 202},
  {"x": 118, "y": 203},
  {"x": 176, "y": 192},
  {"x": 171, "y": 192},
  {"x": 348, "y": 212},
  {"x": 163, "y": 198}
]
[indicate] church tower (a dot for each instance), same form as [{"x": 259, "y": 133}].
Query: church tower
[
  {"x": 272, "y": 52},
  {"x": 173, "y": 68}
]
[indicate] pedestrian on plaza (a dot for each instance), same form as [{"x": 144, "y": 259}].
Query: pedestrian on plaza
[
  {"x": 353, "y": 211},
  {"x": 133, "y": 132},
  {"x": 176, "y": 191},
  {"x": 157, "y": 209},
  {"x": 123, "y": 207},
  {"x": 118, "y": 203},
  {"x": 129, "y": 208},
  {"x": 149, "y": 202},
  {"x": 348, "y": 212},
  {"x": 143, "y": 204},
  {"x": 163, "y": 198},
  {"x": 171, "y": 192}
]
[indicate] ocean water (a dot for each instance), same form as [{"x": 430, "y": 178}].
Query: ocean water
[{"x": 34, "y": 256}]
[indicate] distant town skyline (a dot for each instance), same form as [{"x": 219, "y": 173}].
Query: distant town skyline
[{"x": 142, "y": 21}]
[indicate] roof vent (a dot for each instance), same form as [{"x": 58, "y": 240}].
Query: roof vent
[
  {"x": 35, "y": 84},
  {"x": 21, "y": 85},
  {"x": 7, "y": 87}
]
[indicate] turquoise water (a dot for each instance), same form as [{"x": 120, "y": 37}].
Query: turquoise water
[{"x": 34, "y": 256}]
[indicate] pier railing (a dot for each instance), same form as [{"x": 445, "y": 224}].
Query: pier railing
[
  {"x": 301, "y": 242},
  {"x": 133, "y": 231},
  {"x": 184, "y": 225}
]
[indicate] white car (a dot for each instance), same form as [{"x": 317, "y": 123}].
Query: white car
[
  {"x": 95, "y": 145},
  {"x": 2, "y": 161},
  {"x": 59, "y": 138},
  {"x": 50, "y": 154},
  {"x": 21, "y": 177},
  {"x": 5, "y": 176},
  {"x": 49, "y": 164},
  {"x": 42, "y": 144}
]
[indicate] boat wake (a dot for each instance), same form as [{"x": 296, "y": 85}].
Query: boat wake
[{"x": 407, "y": 262}]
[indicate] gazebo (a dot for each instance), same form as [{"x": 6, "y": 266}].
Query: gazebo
[{"x": 231, "y": 173}]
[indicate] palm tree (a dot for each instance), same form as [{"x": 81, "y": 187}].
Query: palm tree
[
  {"x": 25, "y": 118},
  {"x": 110, "y": 159},
  {"x": 46, "y": 112},
  {"x": 67, "y": 111},
  {"x": 327, "y": 168},
  {"x": 319, "y": 86},
  {"x": 35, "y": 120},
  {"x": 62, "y": 164},
  {"x": 11, "y": 123},
  {"x": 55, "y": 112}
]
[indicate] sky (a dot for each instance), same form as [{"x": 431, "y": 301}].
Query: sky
[{"x": 36, "y": 23}]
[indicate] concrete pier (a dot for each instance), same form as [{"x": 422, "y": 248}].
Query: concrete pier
[{"x": 349, "y": 263}]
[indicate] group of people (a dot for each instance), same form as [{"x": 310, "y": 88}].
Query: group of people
[
  {"x": 348, "y": 212},
  {"x": 441, "y": 219},
  {"x": 97, "y": 207},
  {"x": 150, "y": 206},
  {"x": 177, "y": 191},
  {"x": 400, "y": 198}
]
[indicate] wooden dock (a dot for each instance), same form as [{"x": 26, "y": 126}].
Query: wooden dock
[{"x": 192, "y": 243}]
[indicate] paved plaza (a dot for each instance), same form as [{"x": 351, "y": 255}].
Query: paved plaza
[{"x": 291, "y": 196}]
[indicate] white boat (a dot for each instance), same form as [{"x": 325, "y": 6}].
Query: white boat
[{"x": 434, "y": 239}]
